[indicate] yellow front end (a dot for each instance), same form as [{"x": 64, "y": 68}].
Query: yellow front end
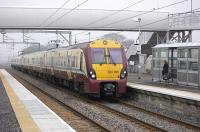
[
  {"x": 107, "y": 68},
  {"x": 107, "y": 71}
]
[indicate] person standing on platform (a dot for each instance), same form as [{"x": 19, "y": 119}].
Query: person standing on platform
[{"x": 165, "y": 69}]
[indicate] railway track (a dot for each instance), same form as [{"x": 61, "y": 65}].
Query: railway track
[
  {"x": 162, "y": 122},
  {"x": 128, "y": 113},
  {"x": 118, "y": 121},
  {"x": 155, "y": 119},
  {"x": 78, "y": 121},
  {"x": 126, "y": 116},
  {"x": 168, "y": 118}
]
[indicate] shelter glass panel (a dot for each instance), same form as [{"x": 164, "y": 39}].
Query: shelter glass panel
[
  {"x": 193, "y": 66},
  {"x": 174, "y": 53},
  {"x": 164, "y": 53},
  {"x": 193, "y": 53},
  {"x": 183, "y": 53},
  {"x": 156, "y": 63},
  {"x": 182, "y": 65},
  {"x": 174, "y": 63},
  {"x": 155, "y": 53}
]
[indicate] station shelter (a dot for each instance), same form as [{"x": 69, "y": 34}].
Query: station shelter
[{"x": 183, "y": 60}]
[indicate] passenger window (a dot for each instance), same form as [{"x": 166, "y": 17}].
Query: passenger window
[{"x": 81, "y": 61}]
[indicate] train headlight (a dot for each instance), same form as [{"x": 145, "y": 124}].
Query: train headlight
[
  {"x": 123, "y": 74},
  {"x": 92, "y": 74}
]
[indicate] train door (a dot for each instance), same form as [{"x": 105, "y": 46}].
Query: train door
[
  {"x": 81, "y": 61},
  {"x": 45, "y": 62},
  {"x": 52, "y": 63}
]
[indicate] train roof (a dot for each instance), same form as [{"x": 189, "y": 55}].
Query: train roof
[
  {"x": 78, "y": 46},
  {"x": 100, "y": 42},
  {"x": 75, "y": 46},
  {"x": 174, "y": 45}
]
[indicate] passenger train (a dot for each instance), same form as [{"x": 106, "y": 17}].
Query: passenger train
[{"x": 94, "y": 68}]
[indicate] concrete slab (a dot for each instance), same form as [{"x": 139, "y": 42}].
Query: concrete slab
[
  {"x": 172, "y": 92},
  {"x": 45, "y": 118},
  {"x": 8, "y": 120}
]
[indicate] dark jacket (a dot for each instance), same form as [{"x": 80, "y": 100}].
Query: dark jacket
[{"x": 165, "y": 68}]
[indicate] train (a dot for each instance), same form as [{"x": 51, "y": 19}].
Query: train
[{"x": 93, "y": 68}]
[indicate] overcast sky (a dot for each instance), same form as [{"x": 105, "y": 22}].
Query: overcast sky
[
  {"x": 145, "y": 5},
  {"x": 103, "y": 4}
]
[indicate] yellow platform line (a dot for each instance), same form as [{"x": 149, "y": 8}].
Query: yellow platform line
[{"x": 24, "y": 118}]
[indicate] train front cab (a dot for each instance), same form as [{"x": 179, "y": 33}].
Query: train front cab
[{"x": 108, "y": 73}]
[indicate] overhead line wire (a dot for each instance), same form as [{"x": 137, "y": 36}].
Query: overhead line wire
[
  {"x": 147, "y": 24},
  {"x": 67, "y": 12},
  {"x": 145, "y": 13},
  {"x": 63, "y": 14},
  {"x": 141, "y": 14},
  {"x": 114, "y": 13},
  {"x": 50, "y": 16}
]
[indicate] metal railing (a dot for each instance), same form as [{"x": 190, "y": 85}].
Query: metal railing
[{"x": 188, "y": 20}]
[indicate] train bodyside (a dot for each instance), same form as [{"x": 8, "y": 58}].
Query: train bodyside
[{"x": 81, "y": 68}]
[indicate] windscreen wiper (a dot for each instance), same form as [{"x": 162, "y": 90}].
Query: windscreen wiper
[{"x": 113, "y": 62}]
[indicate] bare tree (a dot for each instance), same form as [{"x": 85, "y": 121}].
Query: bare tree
[
  {"x": 127, "y": 43},
  {"x": 114, "y": 36}
]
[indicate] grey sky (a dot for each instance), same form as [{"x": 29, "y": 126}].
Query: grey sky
[
  {"x": 146, "y": 5},
  {"x": 102, "y": 4}
]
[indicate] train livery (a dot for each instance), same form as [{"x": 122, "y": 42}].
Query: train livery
[{"x": 94, "y": 68}]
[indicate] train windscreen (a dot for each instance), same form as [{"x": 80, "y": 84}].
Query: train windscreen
[
  {"x": 115, "y": 56},
  {"x": 98, "y": 56}
]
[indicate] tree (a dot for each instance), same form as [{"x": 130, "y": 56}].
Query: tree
[
  {"x": 119, "y": 38},
  {"x": 114, "y": 36},
  {"x": 127, "y": 43}
]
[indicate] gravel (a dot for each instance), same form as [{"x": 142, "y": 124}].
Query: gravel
[
  {"x": 75, "y": 120},
  {"x": 152, "y": 119},
  {"x": 185, "y": 118},
  {"x": 110, "y": 121}
]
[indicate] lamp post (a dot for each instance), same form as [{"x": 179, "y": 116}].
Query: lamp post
[
  {"x": 139, "y": 65},
  {"x": 75, "y": 40},
  {"x": 89, "y": 36},
  {"x": 139, "y": 20},
  {"x": 139, "y": 27}
]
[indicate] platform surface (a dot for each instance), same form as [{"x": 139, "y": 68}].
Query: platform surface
[
  {"x": 146, "y": 84},
  {"x": 31, "y": 113},
  {"x": 8, "y": 120},
  {"x": 166, "y": 91}
]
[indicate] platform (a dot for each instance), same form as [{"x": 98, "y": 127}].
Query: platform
[
  {"x": 166, "y": 91},
  {"x": 8, "y": 120},
  {"x": 146, "y": 84},
  {"x": 27, "y": 113}
]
